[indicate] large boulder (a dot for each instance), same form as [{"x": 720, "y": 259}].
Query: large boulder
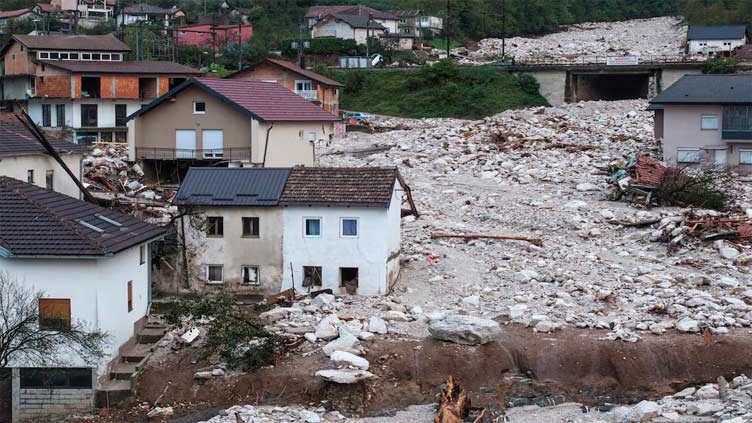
[
  {"x": 467, "y": 330},
  {"x": 344, "y": 376},
  {"x": 346, "y": 342},
  {"x": 342, "y": 358},
  {"x": 377, "y": 325},
  {"x": 328, "y": 327}
]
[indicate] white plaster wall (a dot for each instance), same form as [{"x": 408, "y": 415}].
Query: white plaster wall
[
  {"x": 713, "y": 45},
  {"x": 105, "y": 111},
  {"x": 390, "y": 24},
  {"x": 97, "y": 288},
  {"x": 288, "y": 142},
  {"x": 17, "y": 167}
]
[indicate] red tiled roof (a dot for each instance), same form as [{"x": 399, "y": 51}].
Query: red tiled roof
[
  {"x": 300, "y": 71},
  {"x": 14, "y": 13},
  {"x": 139, "y": 67},
  {"x": 339, "y": 186},
  {"x": 16, "y": 140},
  {"x": 46, "y": 7}
]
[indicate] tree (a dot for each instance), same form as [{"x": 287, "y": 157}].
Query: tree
[{"x": 22, "y": 341}]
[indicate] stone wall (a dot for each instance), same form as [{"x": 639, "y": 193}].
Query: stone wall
[{"x": 45, "y": 404}]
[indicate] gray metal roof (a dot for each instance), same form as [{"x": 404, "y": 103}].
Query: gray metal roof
[
  {"x": 708, "y": 89},
  {"x": 725, "y": 32},
  {"x": 209, "y": 186}
]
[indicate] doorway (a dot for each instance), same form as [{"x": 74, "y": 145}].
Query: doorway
[{"x": 348, "y": 279}]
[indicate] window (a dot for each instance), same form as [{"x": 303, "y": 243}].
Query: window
[
  {"x": 121, "y": 114},
  {"x": 348, "y": 278},
  {"x": 215, "y": 226},
  {"x": 688, "y": 155},
  {"x": 60, "y": 115},
  {"x": 30, "y": 176},
  {"x": 312, "y": 137},
  {"x": 312, "y": 226},
  {"x": 54, "y": 56},
  {"x": 63, "y": 56},
  {"x": 46, "y": 115},
  {"x": 142, "y": 254},
  {"x": 349, "y": 227},
  {"x": 52, "y": 378},
  {"x": 105, "y": 56},
  {"x": 96, "y": 56},
  {"x": 214, "y": 274},
  {"x": 213, "y": 143},
  {"x": 709, "y": 122},
  {"x": 250, "y": 275},
  {"x": 199, "y": 108},
  {"x": 89, "y": 115},
  {"x": 49, "y": 179},
  {"x": 106, "y": 137},
  {"x": 311, "y": 276},
  {"x": 115, "y": 56},
  {"x": 303, "y": 86},
  {"x": 90, "y": 86},
  {"x": 54, "y": 314},
  {"x": 121, "y": 136},
  {"x": 745, "y": 156},
  {"x": 44, "y": 55},
  {"x": 73, "y": 56},
  {"x": 130, "y": 296},
  {"x": 251, "y": 227},
  {"x": 85, "y": 56}
]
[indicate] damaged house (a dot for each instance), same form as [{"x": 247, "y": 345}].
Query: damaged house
[
  {"x": 262, "y": 230},
  {"x": 706, "y": 120},
  {"x": 92, "y": 266}
]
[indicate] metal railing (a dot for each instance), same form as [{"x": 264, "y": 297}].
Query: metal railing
[
  {"x": 310, "y": 95},
  {"x": 193, "y": 154},
  {"x": 602, "y": 60}
]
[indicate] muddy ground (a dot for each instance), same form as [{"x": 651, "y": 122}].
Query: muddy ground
[{"x": 518, "y": 368}]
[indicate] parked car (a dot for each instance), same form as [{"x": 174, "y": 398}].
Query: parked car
[{"x": 358, "y": 117}]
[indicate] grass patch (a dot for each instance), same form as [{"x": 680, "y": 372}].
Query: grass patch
[
  {"x": 439, "y": 90},
  {"x": 440, "y": 43}
]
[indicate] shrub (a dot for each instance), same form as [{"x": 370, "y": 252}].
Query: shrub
[
  {"x": 706, "y": 189},
  {"x": 528, "y": 83},
  {"x": 354, "y": 81},
  {"x": 440, "y": 71},
  {"x": 324, "y": 46},
  {"x": 719, "y": 65}
]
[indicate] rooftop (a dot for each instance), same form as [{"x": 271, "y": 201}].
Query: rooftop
[
  {"x": 260, "y": 100},
  {"x": 14, "y": 13},
  {"x": 318, "y": 12},
  {"x": 725, "y": 32},
  {"x": 16, "y": 140},
  {"x": 35, "y": 222},
  {"x": 300, "y": 71},
  {"x": 147, "y": 9},
  {"x": 708, "y": 89},
  {"x": 356, "y": 21},
  {"x": 106, "y": 42},
  {"x": 138, "y": 67},
  {"x": 209, "y": 186}
]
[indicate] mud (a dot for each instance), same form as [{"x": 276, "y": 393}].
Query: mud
[{"x": 518, "y": 368}]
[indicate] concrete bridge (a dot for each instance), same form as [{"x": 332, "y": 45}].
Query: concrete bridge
[{"x": 605, "y": 79}]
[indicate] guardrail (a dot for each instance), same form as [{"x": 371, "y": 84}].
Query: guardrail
[{"x": 193, "y": 154}]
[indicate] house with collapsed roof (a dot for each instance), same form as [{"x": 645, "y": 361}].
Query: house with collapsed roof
[
  {"x": 82, "y": 83},
  {"x": 713, "y": 39},
  {"x": 310, "y": 85},
  {"x": 92, "y": 266},
  {"x": 210, "y": 120},
  {"x": 24, "y": 158},
  {"x": 263, "y": 230},
  {"x": 706, "y": 120}
]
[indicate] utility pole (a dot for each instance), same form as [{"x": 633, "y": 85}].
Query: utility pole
[
  {"x": 300, "y": 45},
  {"x": 240, "y": 46},
  {"x": 446, "y": 31},
  {"x": 503, "y": 29},
  {"x": 368, "y": 39}
]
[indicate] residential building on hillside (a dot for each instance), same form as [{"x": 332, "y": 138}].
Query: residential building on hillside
[
  {"x": 214, "y": 120},
  {"x": 92, "y": 266},
  {"x": 147, "y": 13},
  {"x": 349, "y": 27},
  {"x": 315, "y": 14},
  {"x": 308, "y": 84},
  {"x": 216, "y": 37},
  {"x": 706, "y": 120},
  {"x": 82, "y": 83},
  {"x": 262, "y": 230},
  {"x": 415, "y": 22},
  {"x": 13, "y": 15},
  {"x": 713, "y": 39},
  {"x": 24, "y": 158},
  {"x": 90, "y": 12}
]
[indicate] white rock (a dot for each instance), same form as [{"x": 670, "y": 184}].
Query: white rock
[
  {"x": 644, "y": 411},
  {"x": 345, "y": 358},
  {"x": 345, "y": 376},
  {"x": 323, "y": 300},
  {"x": 275, "y": 314},
  {"x": 728, "y": 252},
  {"x": 328, "y": 327},
  {"x": 160, "y": 412},
  {"x": 310, "y": 337},
  {"x": 517, "y": 310},
  {"x": 309, "y": 416},
  {"x": 688, "y": 325},
  {"x": 544, "y": 326},
  {"x": 377, "y": 325},
  {"x": 576, "y": 204},
  {"x": 707, "y": 392},
  {"x": 586, "y": 186},
  {"x": 346, "y": 342},
  {"x": 394, "y": 315},
  {"x": 473, "y": 301},
  {"x": 466, "y": 330},
  {"x": 684, "y": 393}
]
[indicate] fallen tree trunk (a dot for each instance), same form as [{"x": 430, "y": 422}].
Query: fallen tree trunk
[
  {"x": 455, "y": 404},
  {"x": 534, "y": 241}
]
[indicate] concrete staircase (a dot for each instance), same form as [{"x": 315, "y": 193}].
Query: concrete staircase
[{"x": 124, "y": 369}]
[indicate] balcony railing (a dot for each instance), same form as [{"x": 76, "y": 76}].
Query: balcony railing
[
  {"x": 310, "y": 95},
  {"x": 231, "y": 154}
]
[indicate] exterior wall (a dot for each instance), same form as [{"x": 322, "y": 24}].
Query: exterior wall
[
  {"x": 682, "y": 129},
  {"x": 17, "y": 61},
  {"x": 658, "y": 124},
  {"x": 17, "y": 167},
  {"x": 329, "y": 27},
  {"x": 233, "y": 251},
  {"x": 710, "y": 46},
  {"x": 378, "y": 236},
  {"x": 392, "y": 25},
  {"x": 105, "y": 111},
  {"x": 288, "y": 143},
  {"x": 670, "y": 76},
  {"x": 98, "y": 293},
  {"x": 126, "y": 86},
  {"x": 552, "y": 85},
  {"x": 42, "y": 404}
]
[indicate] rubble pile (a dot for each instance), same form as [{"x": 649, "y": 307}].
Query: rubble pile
[
  {"x": 539, "y": 173},
  {"x": 581, "y": 43},
  {"x": 293, "y": 413},
  {"x": 731, "y": 234}
]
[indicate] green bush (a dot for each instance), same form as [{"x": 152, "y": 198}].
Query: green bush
[
  {"x": 719, "y": 65},
  {"x": 706, "y": 188},
  {"x": 324, "y": 46},
  {"x": 528, "y": 83},
  {"x": 354, "y": 81},
  {"x": 443, "y": 70}
]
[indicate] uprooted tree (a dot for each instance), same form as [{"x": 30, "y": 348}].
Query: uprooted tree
[
  {"x": 236, "y": 337},
  {"x": 706, "y": 188},
  {"x": 24, "y": 338}
]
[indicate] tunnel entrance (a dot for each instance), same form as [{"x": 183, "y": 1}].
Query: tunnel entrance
[{"x": 600, "y": 86}]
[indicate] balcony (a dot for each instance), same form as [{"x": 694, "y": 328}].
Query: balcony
[
  {"x": 310, "y": 95},
  {"x": 736, "y": 134},
  {"x": 223, "y": 154}
]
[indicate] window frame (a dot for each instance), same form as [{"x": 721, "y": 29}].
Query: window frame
[
  {"x": 93, "y": 107},
  {"x": 745, "y": 150},
  {"x": 710, "y": 116},
  {"x": 141, "y": 254},
  {"x": 121, "y": 121},
  {"x": 199, "y": 112},
  {"x": 49, "y": 179},
  {"x": 60, "y": 115},
  {"x": 320, "y": 274},
  {"x": 47, "y": 115},
  {"x": 30, "y": 176},
  {"x": 342, "y": 227},
  {"x": 45, "y": 326},
  {"x": 219, "y": 224},
  {"x": 305, "y": 226},
  {"x": 250, "y": 234},
  {"x": 242, "y": 275},
  {"x": 208, "y": 272},
  {"x": 687, "y": 149}
]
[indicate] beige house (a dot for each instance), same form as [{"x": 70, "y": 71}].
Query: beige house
[
  {"x": 22, "y": 157},
  {"x": 250, "y": 123},
  {"x": 706, "y": 120}
]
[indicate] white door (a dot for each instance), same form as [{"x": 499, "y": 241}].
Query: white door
[
  {"x": 213, "y": 143},
  {"x": 185, "y": 143},
  {"x": 720, "y": 158}
]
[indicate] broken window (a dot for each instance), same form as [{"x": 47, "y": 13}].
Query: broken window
[
  {"x": 147, "y": 88},
  {"x": 311, "y": 276},
  {"x": 251, "y": 227},
  {"x": 54, "y": 314},
  {"x": 89, "y": 115},
  {"x": 90, "y": 86},
  {"x": 215, "y": 274},
  {"x": 348, "y": 278},
  {"x": 215, "y": 226},
  {"x": 312, "y": 226},
  {"x": 250, "y": 275}
]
